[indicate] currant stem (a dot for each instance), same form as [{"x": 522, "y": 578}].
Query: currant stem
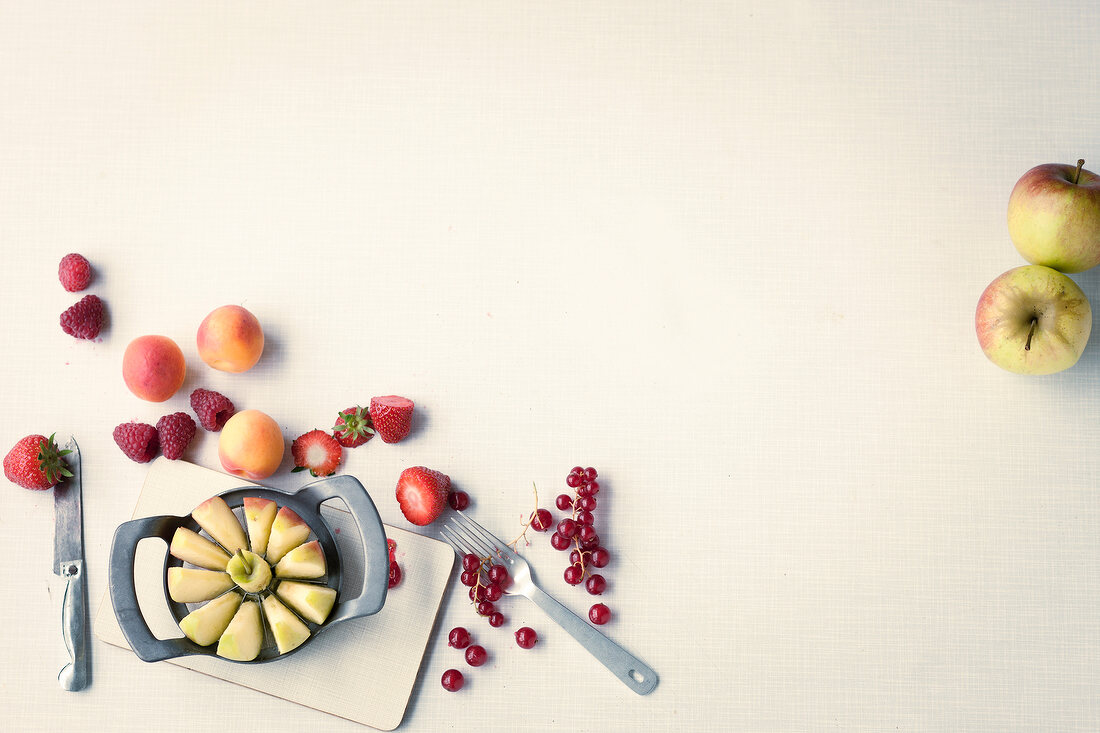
[
  {"x": 1077, "y": 173},
  {"x": 1030, "y": 333}
]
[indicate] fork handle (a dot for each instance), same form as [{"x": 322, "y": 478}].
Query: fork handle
[{"x": 634, "y": 673}]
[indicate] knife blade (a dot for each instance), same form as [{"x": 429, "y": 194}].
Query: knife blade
[{"x": 68, "y": 549}]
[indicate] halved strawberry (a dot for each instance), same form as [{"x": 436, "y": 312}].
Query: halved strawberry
[
  {"x": 316, "y": 450},
  {"x": 391, "y": 416},
  {"x": 422, "y": 494},
  {"x": 353, "y": 427}
]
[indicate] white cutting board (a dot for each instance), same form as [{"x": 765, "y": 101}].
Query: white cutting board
[{"x": 362, "y": 670}]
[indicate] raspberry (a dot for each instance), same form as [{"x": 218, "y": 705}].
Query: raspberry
[
  {"x": 212, "y": 409},
  {"x": 75, "y": 272},
  {"x": 84, "y": 319},
  {"x": 137, "y": 440},
  {"x": 175, "y": 432}
]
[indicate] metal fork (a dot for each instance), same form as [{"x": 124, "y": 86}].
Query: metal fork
[{"x": 467, "y": 536}]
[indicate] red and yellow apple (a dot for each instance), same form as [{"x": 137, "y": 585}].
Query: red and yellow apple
[
  {"x": 192, "y": 547},
  {"x": 1054, "y": 217},
  {"x": 219, "y": 521},
  {"x": 153, "y": 367},
  {"x": 230, "y": 339},
  {"x": 1033, "y": 320},
  {"x": 244, "y": 636}
]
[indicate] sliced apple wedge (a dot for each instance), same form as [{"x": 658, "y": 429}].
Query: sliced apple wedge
[
  {"x": 194, "y": 585},
  {"x": 289, "y": 630},
  {"x": 205, "y": 624},
  {"x": 313, "y": 602},
  {"x": 258, "y": 516},
  {"x": 219, "y": 521},
  {"x": 288, "y": 530},
  {"x": 243, "y": 637},
  {"x": 194, "y": 548},
  {"x": 304, "y": 561},
  {"x": 249, "y": 571}
]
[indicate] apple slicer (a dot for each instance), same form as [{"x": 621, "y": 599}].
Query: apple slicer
[{"x": 306, "y": 503}]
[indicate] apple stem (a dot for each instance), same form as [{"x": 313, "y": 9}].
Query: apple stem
[
  {"x": 1030, "y": 332},
  {"x": 1077, "y": 173},
  {"x": 248, "y": 565}
]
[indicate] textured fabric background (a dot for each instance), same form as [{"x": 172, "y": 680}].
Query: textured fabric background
[{"x": 726, "y": 252}]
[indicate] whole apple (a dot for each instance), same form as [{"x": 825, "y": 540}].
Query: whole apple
[
  {"x": 1054, "y": 217},
  {"x": 1033, "y": 320}
]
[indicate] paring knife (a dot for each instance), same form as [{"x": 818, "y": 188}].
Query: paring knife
[{"x": 68, "y": 552}]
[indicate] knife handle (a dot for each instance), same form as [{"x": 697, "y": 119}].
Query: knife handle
[{"x": 74, "y": 675}]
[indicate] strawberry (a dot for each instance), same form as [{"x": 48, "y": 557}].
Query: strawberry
[
  {"x": 353, "y": 427},
  {"x": 175, "y": 432},
  {"x": 36, "y": 463},
  {"x": 84, "y": 319},
  {"x": 138, "y": 440},
  {"x": 391, "y": 416},
  {"x": 316, "y": 450},
  {"x": 212, "y": 408},
  {"x": 422, "y": 494},
  {"x": 74, "y": 272}
]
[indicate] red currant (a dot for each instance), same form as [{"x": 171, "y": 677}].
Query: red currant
[
  {"x": 576, "y": 557},
  {"x": 595, "y": 584},
  {"x": 496, "y": 619},
  {"x": 526, "y": 637},
  {"x": 591, "y": 543},
  {"x": 588, "y": 503},
  {"x": 541, "y": 520},
  {"x": 471, "y": 561},
  {"x": 573, "y": 480},
  {"x": 589, "y": 474},
  {"x": 458, "y": 500},
  {"x": 453, "y": 680},
  {"x": 586, "y": 533},
  {"x": 600, "y": 557},
  {"x": 599, "y": 614},
  {"x": 564, "y": 502},
  {"x": 593, "y": 488},
  {"x": 498, "y": 574},
  {"x": 395, "y": 573},
  {"x": 576, "y": 471},
  {"x": 584, "y": 518},
  {"x": 485, "y": 608},
  {"x": 477, "y": 593},
  {"x": 468, "y": 578},
  {"x": 459, "y": 638},
  {"x": 558, "y": 542},
  {"x": 574, "y": 574},
  {"x": 476, "y": 655},
  {"x": 567, "y": 528},
  {"x": 583, "y": 491},
  {"x": 493, "y": 592}
]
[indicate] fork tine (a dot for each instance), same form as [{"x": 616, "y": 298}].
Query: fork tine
[
  {"x": 453, "y": 543},
  {"x": 483, "y": 549},
  {"x": 477, "y": 530},
  {"x": 462, "y": 542}
]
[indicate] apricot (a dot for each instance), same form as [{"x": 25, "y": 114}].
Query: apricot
[
  {"x": 153, "y": 367},
  {"x": 251, "y": 445},
  {"x": 230, "y": 339}
]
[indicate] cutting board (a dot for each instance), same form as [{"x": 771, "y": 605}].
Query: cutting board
[{"x": 362, "y": 670}]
